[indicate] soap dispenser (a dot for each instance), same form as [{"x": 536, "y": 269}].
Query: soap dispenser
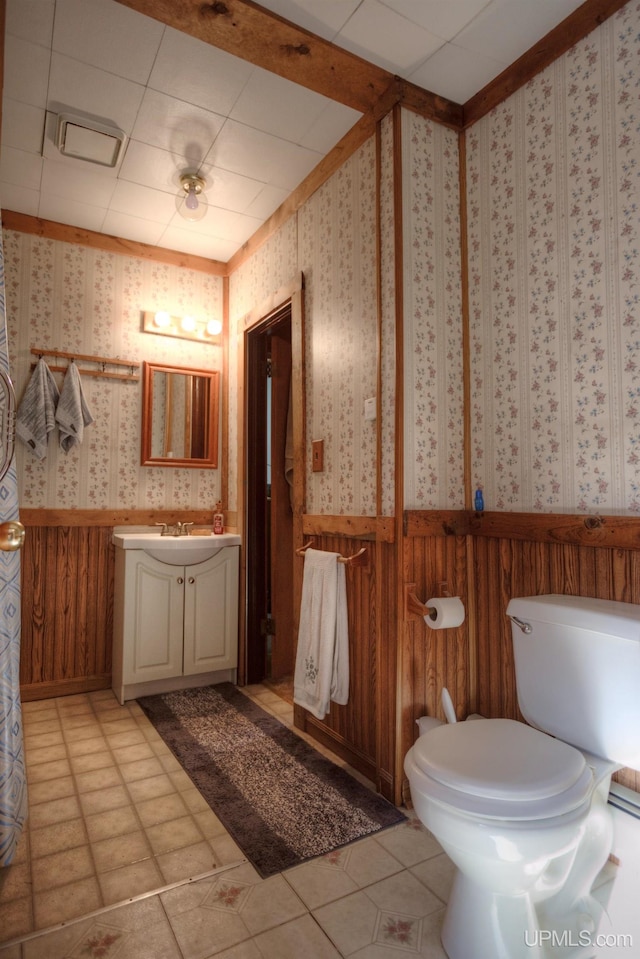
[{"x": 218, "y": 519}]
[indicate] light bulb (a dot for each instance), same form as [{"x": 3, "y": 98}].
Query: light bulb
[
  {"x": 162, "y": 318},
  {"x": 192, "y": 200},
  {"x": 191, "y": 203},
  {"x": 214, "y": 327},
  {"x": 188, "y": 324}
]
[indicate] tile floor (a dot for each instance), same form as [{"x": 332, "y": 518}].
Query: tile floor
[{"x": 123, "y": 858}]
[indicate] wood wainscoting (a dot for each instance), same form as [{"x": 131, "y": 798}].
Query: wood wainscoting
[
  {"x": 524, "y": 555},
  {"x": 67, "y": 570},
  {"x": 436, "y": 561},
  {"x": 363, "y": 731},
  {"x": 398, "y": 665}
]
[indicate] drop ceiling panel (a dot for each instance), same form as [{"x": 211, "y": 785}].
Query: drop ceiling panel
[
  {"x": 175, "y": 238},
  {"x": 267, "y": 202},
  {"x": 131, "y": 227},
  {"x": 517, "y": 23},
  {"x": 21, "y": 168},
  {"x": 108, "y": 36},
  {"x": 197, "y": 73},
  {"x": 175, "y": 125},
  {"x": 385, "y": 37},
  {"x": 75, "y": 182},
  {"x": 454, "y": 69},
  {"x": 444, "y": 19},
  {"x": 147, "y": 203},
  {"x": 22, "y": 126},
  {"x": 329, "y": 128},
  {"x": 19, "y": 198},
  {"x": 32, "y": 20},
  {"x": 76, "y": 87},
  {"x": 152, "y": 167},
  {"x": 263, "y": 157},
  {"x": 276, "y": 106},
  {"x": 231, "y": 191},
  {"x": 26, "y": 72},
  {"x": 72, "y": 212}
]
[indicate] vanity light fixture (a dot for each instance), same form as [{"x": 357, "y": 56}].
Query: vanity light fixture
[
  {"x": 191, "y": 202},
  {"x": 183, "y": 327}
]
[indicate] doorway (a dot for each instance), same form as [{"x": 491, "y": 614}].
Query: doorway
[{"x": 270, "y": 628}]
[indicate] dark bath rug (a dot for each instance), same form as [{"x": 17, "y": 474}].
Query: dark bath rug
[{"x": 281, "y": 800}]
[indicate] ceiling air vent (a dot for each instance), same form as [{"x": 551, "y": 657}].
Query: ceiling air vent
[{"x": 87, "y": 140}]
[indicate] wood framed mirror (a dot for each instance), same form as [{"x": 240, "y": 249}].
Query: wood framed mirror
[{"x": 180, "y": 411}]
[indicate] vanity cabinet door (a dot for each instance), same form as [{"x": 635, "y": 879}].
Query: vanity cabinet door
[
  {"x": 211, "y": 613},
  {"x": 154, "y": 606}
]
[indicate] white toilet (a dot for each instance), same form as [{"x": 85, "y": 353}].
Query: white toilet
[{"x": 523, "y": 815}]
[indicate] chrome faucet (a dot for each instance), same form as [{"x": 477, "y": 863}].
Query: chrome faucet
[{"x": 179, "y": 529}]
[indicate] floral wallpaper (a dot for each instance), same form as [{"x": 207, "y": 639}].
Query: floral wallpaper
[
  {"x": 553, "y": 240},
  {"x": 337, "y": 254},
  {"x": 273, "y": 266},
  {"x": 554, "y": 252},
  {"x": 68, "y": 297},
  {"x": 433, "y": 345},
  {"x": 332, "y": 241},
  {"x": 388, "y": 331}
]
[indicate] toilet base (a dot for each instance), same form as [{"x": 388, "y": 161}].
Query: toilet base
[{"x": 479, "y": 923}]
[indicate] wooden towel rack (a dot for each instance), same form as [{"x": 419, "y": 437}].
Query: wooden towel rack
[
  {"x": 358, "y": 559},
  {"x": 101, "y": 361}
]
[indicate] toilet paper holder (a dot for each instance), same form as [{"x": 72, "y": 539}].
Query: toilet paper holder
[{"x": 415, "y": 606}]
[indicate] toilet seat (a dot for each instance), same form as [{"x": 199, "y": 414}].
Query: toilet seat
[{"x": 503, "y": 769}]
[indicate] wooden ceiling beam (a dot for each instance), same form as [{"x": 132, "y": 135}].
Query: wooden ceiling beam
[
  {"x": 246, "y": 30},
  {"x": 23, "y": 223}
]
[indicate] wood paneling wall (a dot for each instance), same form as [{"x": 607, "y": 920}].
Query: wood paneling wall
[
  {"x": 67, "y": 603},
  {"x": 436, "y": 561},
  {"x": 67, "y": 610},
  {"x": 67, "y": 568},
  {"x": 362, "y": 731},
  {"x": 507, "y": 567}
]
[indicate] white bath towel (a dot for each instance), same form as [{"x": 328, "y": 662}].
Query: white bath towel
[
  {"x": 322, "y": 658},
  {"x": 72, "y": 414},
  {"x": 36, "y": 415}
]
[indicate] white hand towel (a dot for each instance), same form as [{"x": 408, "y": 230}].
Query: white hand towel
[
  {"x": 36, "y": 415},
  {"x": 322, "y": 658},
  {"x": 72, "y": 414}
]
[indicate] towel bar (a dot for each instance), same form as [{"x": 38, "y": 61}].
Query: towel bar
[{"x": 357, "y": 559}]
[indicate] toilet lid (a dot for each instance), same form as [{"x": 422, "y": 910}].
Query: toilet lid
[{"x": 499, "y": 759}]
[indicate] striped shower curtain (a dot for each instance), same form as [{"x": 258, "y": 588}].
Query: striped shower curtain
[{"x": 13, "y": 784}]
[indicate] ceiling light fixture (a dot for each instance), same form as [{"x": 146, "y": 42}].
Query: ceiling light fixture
[{"x": 191, "y": 202}]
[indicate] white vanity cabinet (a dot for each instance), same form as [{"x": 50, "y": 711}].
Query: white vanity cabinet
[{"x": 174, "y": 625}]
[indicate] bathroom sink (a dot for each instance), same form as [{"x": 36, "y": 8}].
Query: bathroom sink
[{"x": 175, "y": 550}]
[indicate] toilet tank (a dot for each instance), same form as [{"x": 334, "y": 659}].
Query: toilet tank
[{"x": 578, "y": 672}]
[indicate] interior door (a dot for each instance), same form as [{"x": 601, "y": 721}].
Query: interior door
[
  {"x": 269, "y": 529},
  {"x": 281, "y": 647}
]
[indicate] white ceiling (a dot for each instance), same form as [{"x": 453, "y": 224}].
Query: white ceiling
[{"x": 185, "y": 105}]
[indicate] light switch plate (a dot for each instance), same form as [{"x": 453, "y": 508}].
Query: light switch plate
[
  {"x": 317, "y": 456},
  {"x": 370, "y": 408}
]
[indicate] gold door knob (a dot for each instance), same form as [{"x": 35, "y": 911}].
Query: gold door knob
[{"x": 11, "y": 536}]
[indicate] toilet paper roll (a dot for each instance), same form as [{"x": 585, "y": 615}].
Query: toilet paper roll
[{"x": 445, "y": 613}]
